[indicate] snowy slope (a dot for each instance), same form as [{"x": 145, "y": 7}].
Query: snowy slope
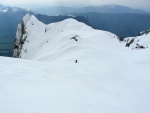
[
  {"x": 93, "y": 86},
  {"x": 108, "y": 78}
]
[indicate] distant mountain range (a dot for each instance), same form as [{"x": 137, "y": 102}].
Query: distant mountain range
[
  {"x": 123, "y": 25},
  {"x": 120, "y": 20},
  {"x": 59, "y": 10},
  {"x": 9, "y": 18},
  {"x": 51, "y": 19}
]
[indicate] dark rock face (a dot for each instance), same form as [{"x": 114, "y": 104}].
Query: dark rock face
[
  {"x": 21, "y": 36},
  {"x": 129, "y": 43}
]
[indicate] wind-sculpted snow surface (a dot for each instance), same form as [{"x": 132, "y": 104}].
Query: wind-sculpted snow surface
[{"x": 68, "y": 67}]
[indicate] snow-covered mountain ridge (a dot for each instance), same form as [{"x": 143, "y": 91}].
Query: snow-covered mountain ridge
[
  {"x": 68, "y": 37},
  {"x": 37, "y": 41},
  {"x": 107, "y": 78}
]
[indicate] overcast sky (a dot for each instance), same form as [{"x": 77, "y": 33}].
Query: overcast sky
[{"x": 29, "y": 3}]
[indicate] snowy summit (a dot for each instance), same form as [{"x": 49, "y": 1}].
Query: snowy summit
[{"x": 69, "y": 67}]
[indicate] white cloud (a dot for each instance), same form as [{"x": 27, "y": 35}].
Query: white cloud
[{"x": 133, "y": 3}]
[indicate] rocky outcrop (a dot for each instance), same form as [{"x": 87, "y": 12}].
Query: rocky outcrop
[
  {"x": 129, "y": 43},
  {"x": 144, "y": 32},
  {"x": 20, "y": 36}
]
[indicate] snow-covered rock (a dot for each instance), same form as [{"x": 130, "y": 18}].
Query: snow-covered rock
[
  {"x": 139, "y": 42},
  {"x": 145, "y": 32}
]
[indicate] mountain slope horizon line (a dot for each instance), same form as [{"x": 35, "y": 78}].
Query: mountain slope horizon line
[{"x": 111, "y": 8}]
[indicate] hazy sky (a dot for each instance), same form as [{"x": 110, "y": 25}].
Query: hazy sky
[{"x": 29, "y": 3}]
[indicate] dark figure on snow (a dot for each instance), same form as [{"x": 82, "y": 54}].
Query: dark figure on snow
[
  {"x": 76, "y": 61},
  {"x": 75, "y": 38}
]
